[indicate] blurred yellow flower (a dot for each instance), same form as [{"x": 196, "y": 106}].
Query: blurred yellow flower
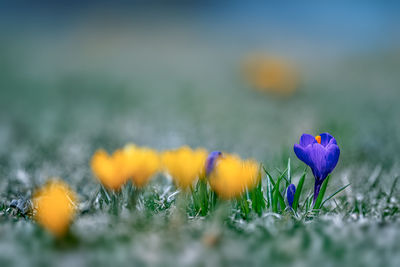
[
  {"x": 142, "y": 163},
  {"x": 110, "y": 170},
  {"x": 184, "y": 164},
  {"x": 54, "y": 206},
  {"x": 268, "y": 74},
  {"x": 231, "y": 176}
]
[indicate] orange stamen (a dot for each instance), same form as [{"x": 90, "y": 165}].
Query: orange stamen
[{"x": 318, "y": 138}]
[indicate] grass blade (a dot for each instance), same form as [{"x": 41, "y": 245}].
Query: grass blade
[
  {"x": 392, "y": 189},
  {"x": 105, "y": 195},
  {"x": 334, "y": 194}
]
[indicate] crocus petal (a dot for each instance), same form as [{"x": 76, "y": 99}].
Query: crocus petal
[
  {"x": 302, "y": 154},
  {"x": 326, "y": 139},
  {"x": 332, "y": 157},
  {"x": 316, "y": 153},
  {"x": 323, "y": 159},
  {"x": 307, "y": 139}
]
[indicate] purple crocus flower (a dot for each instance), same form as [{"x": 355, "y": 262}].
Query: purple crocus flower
[
  {"x": 291, "y": 190},
  {"x": 211, "y": 160},
  {"x": 320, "y": 153}
]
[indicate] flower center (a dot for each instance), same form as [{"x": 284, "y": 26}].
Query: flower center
[{"x": 318, "y": 138}]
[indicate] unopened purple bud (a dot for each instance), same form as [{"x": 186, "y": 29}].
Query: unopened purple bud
[
  {"x": 211, "y": 161},
  {"x": 291, "y": 190}
]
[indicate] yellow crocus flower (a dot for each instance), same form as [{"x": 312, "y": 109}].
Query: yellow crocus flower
[
  {"x": 270, "y": 74},
  {"x": 142, "y": 163},
  {"x": 232, "y": 176},
  {"x": 54, "y": 206},
  {"x": 110, "y": 170},
  {"x": 185, "y": 165}
]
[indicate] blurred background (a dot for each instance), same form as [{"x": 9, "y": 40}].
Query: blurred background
[
  {"x": 238, "y": 76},
  {"x": 166, "y": 73}
]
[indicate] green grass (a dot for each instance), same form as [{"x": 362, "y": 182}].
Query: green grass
[{"x": 52, "y": 127}]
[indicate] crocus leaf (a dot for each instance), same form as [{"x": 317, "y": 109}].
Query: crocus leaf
[
  {"x": 115, "y": 199},
  {"x": 281, "y": 201},
  {"x": 257, "y": 198},
  {"x": 270, "y": 188},
  {"x": 289, "y": 173},
  {"x": 297, "y": 194},
  {"x": 307, "y": 204},
  {"x": 269, "y": 191},
  {"x": 244, "y": 206},
  {"x": 275, "y": 191},
  {"x": 277, "y": 197},
  {"x": 321, "y": 194},
  {"x": 269, "y": 176},
  {"x": 283, "y": 174}
]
